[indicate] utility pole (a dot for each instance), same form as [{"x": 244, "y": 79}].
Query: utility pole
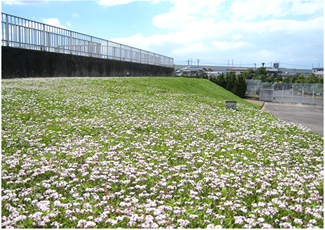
[
  {"x": 198, "y": 62},
  {"x": 255, "y": 66},
  {"x": 188, "y": 62}
]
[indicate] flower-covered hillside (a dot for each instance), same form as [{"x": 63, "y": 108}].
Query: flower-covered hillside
[{"x": 134, "y": 153}]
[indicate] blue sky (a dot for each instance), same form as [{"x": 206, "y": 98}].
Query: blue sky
[{"x": 216, "y": 32}]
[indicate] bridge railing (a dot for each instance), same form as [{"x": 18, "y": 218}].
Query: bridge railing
[{"x": 28, "y": 34}]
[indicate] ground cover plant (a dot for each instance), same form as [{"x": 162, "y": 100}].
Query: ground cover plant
[{"x": 150, "y": 153}]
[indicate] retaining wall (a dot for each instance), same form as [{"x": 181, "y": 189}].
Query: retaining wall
[{"x": 22, "y": 63}]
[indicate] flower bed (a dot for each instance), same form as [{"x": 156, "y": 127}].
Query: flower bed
[{"x": 101, "y": 153}]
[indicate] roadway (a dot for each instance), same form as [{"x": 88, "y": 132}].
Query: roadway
[{"x": 310, "y": 116}]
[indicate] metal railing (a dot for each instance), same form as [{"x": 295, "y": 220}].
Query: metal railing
[{"x": 27, "y": 34}]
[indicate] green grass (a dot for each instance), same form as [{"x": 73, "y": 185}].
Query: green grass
[{"x": 192, "y": 86}]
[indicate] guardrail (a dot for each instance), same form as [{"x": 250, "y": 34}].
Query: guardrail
[{"x": 28, "y": 34}]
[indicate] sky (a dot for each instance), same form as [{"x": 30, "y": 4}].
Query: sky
[{"x": 207, "y": 32}]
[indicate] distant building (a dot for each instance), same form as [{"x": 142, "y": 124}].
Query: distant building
[
  {"x": 282, "y": 71},
  {"x": 196, "y": 71},
  {"x": 317, "y": 69},
  {"x": 274, "y": 71},
  {"x": 240, "y": 70},
  {"x": 319, "y": 73},
  {"x": 237, "y": 70}
]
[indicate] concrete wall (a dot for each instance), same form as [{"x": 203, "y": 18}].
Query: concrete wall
[{"x": 22, "y": 63}]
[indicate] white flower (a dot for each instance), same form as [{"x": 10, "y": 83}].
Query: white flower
[
  {"x": 298, "y": 221},
  {"x": 41, "y": 223},
  {"x": 81, "y": 223},
  {"x": 261, "y": 220},
  {"x": 239, "y": 220},
  {"x": 90, "y": 224},
  {"x": 193, "y": 216},
  {"x": 312, "y": 221},
  {"x": 266, "y": 226}
]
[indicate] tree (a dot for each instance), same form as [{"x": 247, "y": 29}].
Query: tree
[
  {"x": 300, "y": 79},
  {"x": 221, "y": 81},
  {"x": 230, "y": 82},
  {"x": 311, "y": 79},
  {"x": 260, "y": 77},
  {"x": 320, "y": 80},
  {"x": 270, "y": 79},
  {"x": 294, "y": 78},
  {"x": 279, "y": 79},
  {"x": 262, "y": 71},
  {"x": 286, "y": 79},
  {"x": 240, "y": 86},
  {"x": 213, "y": 79},
  {"x": 249, "y": 73}
]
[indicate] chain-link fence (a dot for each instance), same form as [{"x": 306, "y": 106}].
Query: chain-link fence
[
  {"x": 289, "y": 92},
  {"x": 253, "y": 87},
  {"x": 298, "y": 93}
]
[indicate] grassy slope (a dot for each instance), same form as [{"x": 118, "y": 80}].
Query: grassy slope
[{"x": 200, "y": 87}]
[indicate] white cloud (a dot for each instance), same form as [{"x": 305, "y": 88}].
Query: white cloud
[
  {"x": 250, "y": 30},
  {"x": 252, "y": 9},
  {"x": 53, "y": 21},
  {"x": 237, "y": 36},
  {"x": 224, "y": 45},
  {"x": 307, "y": 7},
  {"x": 74, "y": 15},
  {"x": 23, "y": 2},
  {"x": 121, "y": 2},
  {"x": 171, "y": 20},
  {"x": 197, "y": 47},
  {"x": 146, "y": 43},
  {"x": 185, "y": 11}
]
